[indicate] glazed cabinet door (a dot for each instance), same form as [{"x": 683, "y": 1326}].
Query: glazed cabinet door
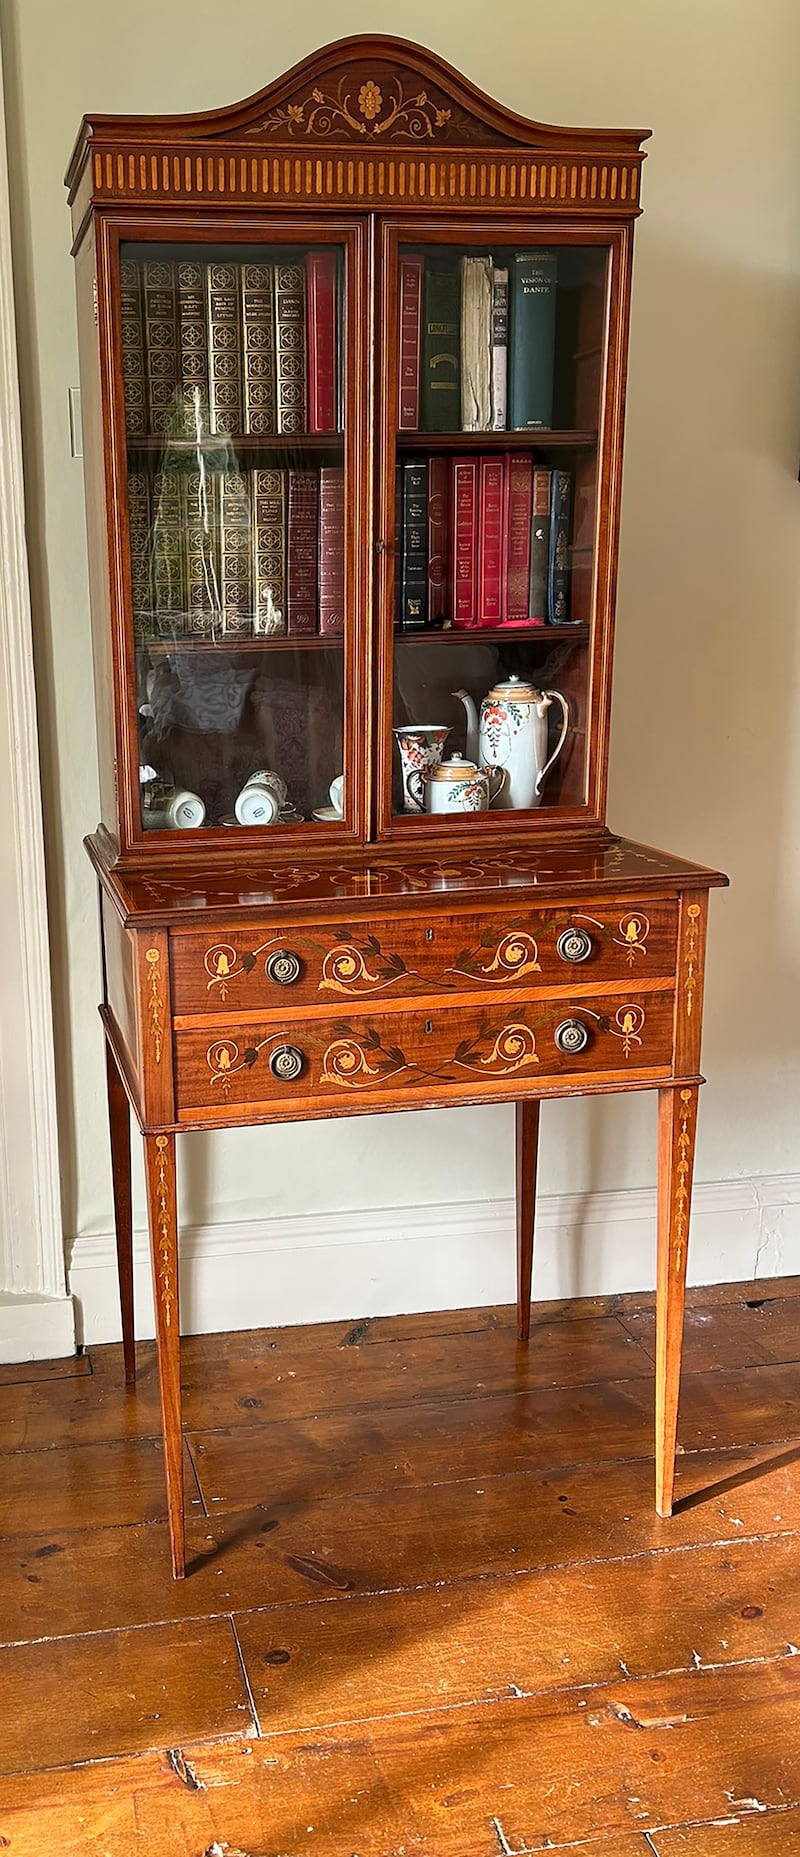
[
  {"x": 501, "y": 391},
  {"x": 242, "y": 503}
]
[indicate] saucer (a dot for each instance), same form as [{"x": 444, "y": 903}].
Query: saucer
[{"x": 327, "y": 813}]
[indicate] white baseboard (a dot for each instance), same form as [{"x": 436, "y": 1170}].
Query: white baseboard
[
  {"x": 36, "y": 1328},
  {"x": 328, "y": 1268}
]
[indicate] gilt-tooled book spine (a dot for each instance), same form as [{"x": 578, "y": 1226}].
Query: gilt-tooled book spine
[
  {"x": 225, "y": 348},
  {"x": 236, "y": 589},
  {"x": 139, "y": 541},
  {"x": 440, "y": 371},
  {"x": 412, "y": 267},
  {"x": 301, "y": 552},
  {"x": 540, "y": 545},
  {"x": 331, "y": 549},
  {"x": 558, "y": 588},
  {"x": 193, "y": 344},
  {"x": 201, "y": 552},
  {"x": 132, "y": 336},
  {"x": 477, "y": 282},
  {"x": 290, "y": 347},
  {"x": 490, "y": 541},
  {"x": 500, "y": 348},
  {"x": 532, "y": 339},
  {"x": 414, "y": 593},
  {"x": 167, "y": 567},
  {"x": 258, "y": 347},
  {"x": 161, "y": 343},
  {"x": 465, "y": 540},
  {"x": 269, "y": 552},
  {"x": 438, "y": 540},
  {"x": 321, "y": 315},
  {"x": 517, "y": 536}
]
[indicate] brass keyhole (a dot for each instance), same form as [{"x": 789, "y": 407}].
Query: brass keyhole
[
  {"x": 429, "y": 1025},
  {"x": 429, "y": 934}
]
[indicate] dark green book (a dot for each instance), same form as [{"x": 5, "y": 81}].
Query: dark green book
[
  {"x": 531, "y": 339},
  {"x": 414, "y": 594},
  {"x": 440, "y": 373}
]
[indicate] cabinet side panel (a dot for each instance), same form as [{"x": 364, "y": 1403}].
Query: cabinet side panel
[
  {"x": 96, "y": 529},
  {"x": 121, "y": 982}
]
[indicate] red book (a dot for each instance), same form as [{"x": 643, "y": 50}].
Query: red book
[
  {"x": 517, "y": 536},
  {"x": 331, "y": 549},
  {"x": 438, "y": 539},
  {"x": 465, "y": 541},
  {"x": 301, "y": 552},
  {"x": 321, "y": 304},
  {"x": 411, "y": 270},
  {"x": 490, "y": 542}
]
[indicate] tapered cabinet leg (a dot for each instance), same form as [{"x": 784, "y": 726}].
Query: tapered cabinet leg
[
  {"x": 119, "y": 1122},
  {"x": 677, "y": 1123},
  {"x": 527, "y": 1161},
  {"x": 162, "y": 1211}
]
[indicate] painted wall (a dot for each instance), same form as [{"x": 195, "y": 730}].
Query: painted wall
[{"x": 706, "y": 736}]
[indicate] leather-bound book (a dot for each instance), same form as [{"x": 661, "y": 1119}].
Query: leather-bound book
[
  {"x": 414, "y": 593},
  {"x": 440, "y": 372},
  {"x": 236, "y": 577},
  {"x": 321, "y": 313},
  {"x": 161, "y": 343},
  {"x": 201, "y": 543},
  {"x": 225, "y": 348},
  {"x": 132, "y": 337},
  {"x": 500, "y": 348},
  {"x": 558, "y": 588},
  {"x": 540, "y": 546},
  {"x": 438, "y": 540},
  {"x": 301, "y": 552},
  {"x": 412, "y": 266},
  {"x": 290, "y": 347},
  {"x": 464, "y": 504},
  {"x": 192, "y": 289},
  {"x": 532, "y": 339},
  {"x": 258, "y": 348},
  {"x": 167, "y": 564},
  {"x": 490, "y": 541},
  {"x": 477, "y": 275},
  {"x": 331, "y": 549},
  {"x": 268, "y": 492},
  {"x": 517, "y": 536},
  {"x": 139, "y": 543}
]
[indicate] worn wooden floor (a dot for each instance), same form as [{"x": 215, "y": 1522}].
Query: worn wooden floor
[{"x": 430, "y": 1607}]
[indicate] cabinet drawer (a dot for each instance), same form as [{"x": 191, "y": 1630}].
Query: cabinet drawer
[
  {"x": 317, "y": 1065},
  {"x": 337, "y": 964}
]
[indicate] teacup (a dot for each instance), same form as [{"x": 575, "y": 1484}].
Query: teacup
[
  {"x": 421, "y": 745},
  {"x": 261, "y": 799},
  {"x": 336, "y": 794}
]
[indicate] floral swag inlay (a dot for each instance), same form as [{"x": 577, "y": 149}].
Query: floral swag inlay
[{"x": 370, "y": 113}]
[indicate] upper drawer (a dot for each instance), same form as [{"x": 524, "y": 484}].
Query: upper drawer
[{"x": 338, "y": 963}]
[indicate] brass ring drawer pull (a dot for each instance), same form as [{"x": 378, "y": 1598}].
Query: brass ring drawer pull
[
  {"x": 571, "y": 1036},
  {"x": 283, "y": 967},
  {"x": 574, "y": 945},
  {"x": 286, "y": 1063}
]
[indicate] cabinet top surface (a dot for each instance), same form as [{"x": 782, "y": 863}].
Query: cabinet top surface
[{"x": 180, "y": 892}]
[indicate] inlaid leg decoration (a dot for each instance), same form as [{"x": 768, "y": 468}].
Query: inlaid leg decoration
[
  {"x": 677, "y": 1121},
  {"x": 119, "y": 1122},
  {"x": 162, "y": 1209},
  {"x": 527, "y": 1162}
]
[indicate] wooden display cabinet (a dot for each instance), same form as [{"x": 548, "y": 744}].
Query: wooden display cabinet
[{"x": 296, "y": 550}]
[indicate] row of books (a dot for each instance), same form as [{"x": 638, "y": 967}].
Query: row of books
[
  {"x": 244, "y": 553},
  {"x": 477, "y": 342},
  {"x": 228, "y": 348},
  {"x": 482, "y": 541}
]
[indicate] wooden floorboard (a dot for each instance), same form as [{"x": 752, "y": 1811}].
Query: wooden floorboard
[{"x": 430, "y": 1611}]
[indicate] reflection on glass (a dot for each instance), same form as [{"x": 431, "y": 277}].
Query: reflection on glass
[{"x": 236, "y": 498}]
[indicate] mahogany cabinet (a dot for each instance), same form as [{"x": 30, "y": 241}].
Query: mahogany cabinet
[{"x": 353, "y": 361}]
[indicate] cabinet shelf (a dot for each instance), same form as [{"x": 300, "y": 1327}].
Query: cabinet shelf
[
  {"x": 320, "y": 443},
  {"x": 166, "y": 647},
  {"x": 544, "y": 440},
  {"x": 495, "y": 635}
]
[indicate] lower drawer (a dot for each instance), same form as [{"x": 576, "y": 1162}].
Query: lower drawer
[{"x": 326, "y": 1065}]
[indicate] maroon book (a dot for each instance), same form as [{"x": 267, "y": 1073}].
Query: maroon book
[
  {"x": 301, "y": 552},
  {"x": 517, "y": 536},
  {"x": 411, "y": 270},
  {"x": 331, "y": 549},
  {"x": 438, "y": 540},
  {"x": 490, "y": 541},
  {"x": 465, "y": 540},
  {"x": 321, "y": 297}
]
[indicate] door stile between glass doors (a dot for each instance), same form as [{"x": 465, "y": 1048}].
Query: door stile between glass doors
[
  {"x": 243, "y": 691},
  {"x": 494, "y": 659}
]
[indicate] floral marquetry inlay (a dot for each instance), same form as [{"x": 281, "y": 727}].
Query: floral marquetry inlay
[
  {"x": 379, "y": 107},
  {"x": 155, "y": 1002},
  {"x": 515, "y": 953},
  {"x": 166, "y": 1248}
]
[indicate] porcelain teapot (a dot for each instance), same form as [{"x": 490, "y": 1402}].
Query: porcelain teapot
[
  {"x": 457, "y": 785},
  {"x": 512, "y": 733}
]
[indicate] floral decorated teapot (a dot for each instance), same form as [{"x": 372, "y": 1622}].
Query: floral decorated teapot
[{"x": 512, "y": 733}]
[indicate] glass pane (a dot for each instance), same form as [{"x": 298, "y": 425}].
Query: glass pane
[
  {"x": 500, "y": 370},
  {"x": 236, "y": 498}
]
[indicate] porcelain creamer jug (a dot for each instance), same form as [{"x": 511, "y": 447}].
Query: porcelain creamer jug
[{"x": 512, "y": 733}]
